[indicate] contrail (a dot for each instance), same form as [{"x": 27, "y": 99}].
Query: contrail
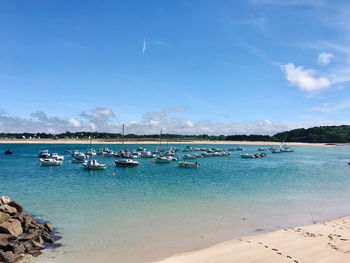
[{"x": 144, "y": 46}]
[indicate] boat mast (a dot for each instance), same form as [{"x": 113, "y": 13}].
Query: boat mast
[
  {"x": 160, "y": 136},
  {"x": 123, "y": 138}
]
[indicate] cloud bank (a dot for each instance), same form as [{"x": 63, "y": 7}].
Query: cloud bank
[{"x": 102, "y": 120}]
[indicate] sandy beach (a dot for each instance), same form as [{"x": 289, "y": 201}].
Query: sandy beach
[
  {"x": 326, "y": 242},
  {"x": 82, "y": 141}
]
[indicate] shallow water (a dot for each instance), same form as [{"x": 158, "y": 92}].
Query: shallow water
[{"x": 155, "y": 210}]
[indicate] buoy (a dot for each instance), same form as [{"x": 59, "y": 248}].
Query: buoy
[
  {"x": 151, "y": 160},
  {"x": 37, "y": 163},
  {"x": 113, "y": 174},
  {"x": 232, "y": 156}
]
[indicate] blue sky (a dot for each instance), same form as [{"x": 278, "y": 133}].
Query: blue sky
[{"x": 258, "y": 66}]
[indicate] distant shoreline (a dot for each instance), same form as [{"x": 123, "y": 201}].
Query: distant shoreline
[{"x": 101, "y": 141}]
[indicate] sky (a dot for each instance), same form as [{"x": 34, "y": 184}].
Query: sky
[{"x": 186, "y": 66}]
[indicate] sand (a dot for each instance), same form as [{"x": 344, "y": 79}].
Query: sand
[
  {"x": 322, "y": 242},
  {"x": 164, "y": 143}
]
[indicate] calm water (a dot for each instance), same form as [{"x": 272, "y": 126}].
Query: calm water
[{"x": 155, "y": 210}]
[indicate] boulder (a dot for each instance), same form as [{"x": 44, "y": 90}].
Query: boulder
[
  {"x": 8, "y": 209},
  {"x": 19, "y": 216},
  {"x": 27, "y": 236},
  {"x": 37, "y": 245},
  {"x": 4, "y": 200},
  {"x": 47, "y": 238},
  {"x": 48, "y": 226},
  {"x": 16, "y": 205},
  {"x": 7, "y": 256},
  {"x": 17, "y": 248},
  {"x": 4, "y": 217},
  {"x": 11, "y": 226}
]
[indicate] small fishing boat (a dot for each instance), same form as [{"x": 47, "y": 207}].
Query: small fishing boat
[
  {"x": 261, "y": 149},
  {"x": 164, "y": 159},
  {"x": 44, "y": 154},
  {"x": 247, "y": 155},
  {"x": 79, "y": 158},
  {"x": 148, "y": 155},
  {"x": 236, "y": 149},
  {"x": 90, "y": 152},
  {"x": 189, "y": 156},
  {"x": 9, "y": 152},
  {"x": 126, "y": 163},
  {"x": 50, "y": 162},
  {"x": 56, "y": 156},
  {"x": 188, "y": 164},
  {"x": 93, "y": 165}
]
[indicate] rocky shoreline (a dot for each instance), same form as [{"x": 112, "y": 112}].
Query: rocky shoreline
[{"x": 20, "y": 233}]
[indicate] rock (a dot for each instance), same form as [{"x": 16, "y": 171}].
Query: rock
[
  {"x": 16, "y": 205},
  {"x": 19, "y": 216},
  {"x": 7, "y": 256},
  {"x": 4, "y": 217},
  {"x": 28, "y": 245},
  {"x": 11, "y": 226},
  {"x": 48, "y": 226},
  {"x": 35, "y": 253},
  {"x": 37, "y": 245},
  {"x": 18, "y": 248},
  {"x": 8, "y": 209},
  {"x": 4, "y": 200},
  {"x": 4, "y": 237},
  {"x": 27, "y": 236},
  {"x": 47, "y": 238}
]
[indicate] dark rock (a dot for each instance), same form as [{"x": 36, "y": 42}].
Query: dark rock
[
  {"x": 8, "y": 209},
  {"x": 27, "y": 236},
  {"x": 37, "y": 245},
  {"x": 4, "y": 217},
  {"x": 48, "y": 226},
  {"x": 47, "y": 238},
  {"x": 7, "y": 256},
  {"x": 18, "y": 248},
  {"x": 28, "y": 245},
  {"x": 16, "y": 205},
  {"x": 11, "y": 226},
  {"x": 19, "y": 216}
]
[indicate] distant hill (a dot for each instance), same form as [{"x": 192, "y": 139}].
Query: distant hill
[{"x": 322, "y": 134}]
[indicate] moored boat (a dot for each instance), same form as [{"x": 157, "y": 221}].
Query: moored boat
[
  {"x": 9, "y": 152},
  {"x": 126, "y": 163},
  {"x": 164, "y": 159},
  {"x": 188, "y": 164},
  {"x": 50, "y": 162},
  {"x": 44, "y": 154},
  {"x": 94, "y": 165},
  {"x": 247, "y": 155}
]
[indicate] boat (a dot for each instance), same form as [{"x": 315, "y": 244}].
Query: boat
[
  {"x": 44, "y": 154},
  {"x": 247, "y": 155},
  {"x": 189, "y": 156},
  {"x": 50, "y": 162},
  {"x": 56, "y": 156},
  {"x": 261, "y": 149},
  {"x": 79, "y": 158},
  {"x": 164, "y": 159},
  {"x": 9, "y": 152},
  {"x": 236, "y": 149},
  {"x": 90, "y": 152},
  {"x": 188, "y": 164},
  {"x": 94, "y": 165},
  {"x": 148, "y": 155},
  {"x": 126, "y": 163}
]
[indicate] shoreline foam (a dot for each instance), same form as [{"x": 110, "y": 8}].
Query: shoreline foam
[{"x": 325, "y": 242}]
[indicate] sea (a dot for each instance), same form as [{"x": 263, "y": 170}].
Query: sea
[{"x": 150, "y": 212}]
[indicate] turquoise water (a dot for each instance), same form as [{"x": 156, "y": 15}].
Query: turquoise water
[{"x": 155, "y": 210}]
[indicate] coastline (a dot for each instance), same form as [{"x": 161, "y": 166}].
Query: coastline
[
  {"x": 51, "y": 141},
  {"x": 325, "y": 242}
]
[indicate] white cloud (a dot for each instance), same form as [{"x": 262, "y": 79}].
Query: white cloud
[
  {"x": 333, "y": 108},
  {"x": 325, "y": 58},
  {"x": 152, "y": 122},
  {"x": 303, "y": 78}
]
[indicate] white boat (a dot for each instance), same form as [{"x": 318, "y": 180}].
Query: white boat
[
  {"x": 247, "y": 155},
  {"x": 57, "y": 157},
  {"x": 90, "y": 152},
  {"x": 188, "y": 164},
  {"x": 216, "y": 154},
  {"x": 94, "y": 165},
  {"x": 164, "y": 159},
  {"x": 44, "y": 154},
  {"x": 261, "y": 149},
  {"x": 126, "y": 163},
  {"x": 236, "y": 149},
  {"x": 148, "y": 155},
  {"x": 79, "y": 158},
  {"x": 189, "y": 156},
  {"x": 50, "y": 162}
]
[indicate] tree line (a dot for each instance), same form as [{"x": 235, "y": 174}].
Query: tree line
[{"x": 321, "y": 134}]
